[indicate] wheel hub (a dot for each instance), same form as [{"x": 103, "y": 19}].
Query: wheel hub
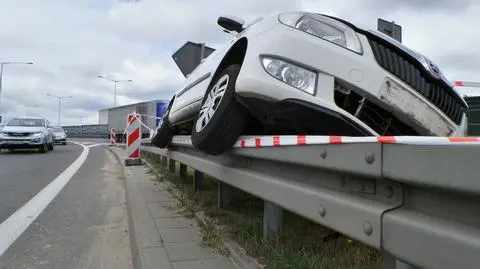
[{"x": 212, "y": 102}]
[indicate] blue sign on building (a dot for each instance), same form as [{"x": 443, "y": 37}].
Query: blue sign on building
[{"x": 161, "y": 108}]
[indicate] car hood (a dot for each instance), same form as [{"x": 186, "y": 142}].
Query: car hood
[
  {"x": 22, "y": 129},
  {"x": 59, "y": 133}
]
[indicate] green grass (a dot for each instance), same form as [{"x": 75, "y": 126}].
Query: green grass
[{"x": 302, "y": 245}]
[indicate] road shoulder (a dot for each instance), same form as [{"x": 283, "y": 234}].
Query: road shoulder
[{"x": 160, "y": 237}]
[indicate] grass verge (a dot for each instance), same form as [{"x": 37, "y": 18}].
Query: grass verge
[{"x": 302, "y": 245}]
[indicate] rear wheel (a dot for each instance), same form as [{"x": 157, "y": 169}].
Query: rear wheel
[
  {"x": 221, "y": 118},
  {"x": 50, "y": 146},
  {"x": 164, "y": 133}
]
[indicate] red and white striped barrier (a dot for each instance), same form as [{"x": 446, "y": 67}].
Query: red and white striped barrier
[
  {"x": 133, "y": 137},
  {"x": 300, "y": 140},
  {"x": 472, "y": 84},
  {"x": 113, "y": 138}
]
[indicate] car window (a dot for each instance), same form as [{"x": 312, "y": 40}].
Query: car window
[
  {"x": 58, "y": 129},
  {"x": 26, "y": 122}
]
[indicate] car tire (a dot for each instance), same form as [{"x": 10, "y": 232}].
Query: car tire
[
  {"x": 44, "y": 147},
  {"x": 64, "y": 143},
  {"x": 51, "y": 146},
  {"x": 164, "y": 133},
  {"x": 222, "y": 118}
]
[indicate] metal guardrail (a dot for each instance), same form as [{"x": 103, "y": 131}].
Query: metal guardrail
[{"x": 419, "y": 204}]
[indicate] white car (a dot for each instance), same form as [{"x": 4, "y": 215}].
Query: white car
[
  {"x": 59, "y": 135},
  {"x": 306, "y": 73},
  {"x": 27, "y": 133}
]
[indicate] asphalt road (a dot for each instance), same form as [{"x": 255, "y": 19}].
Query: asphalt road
[
  {"x": 24, "y": 173},
  {"x": 84, "y": 226}
]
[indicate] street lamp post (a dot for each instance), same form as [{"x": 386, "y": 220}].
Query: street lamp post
[
  {"x": 59, "y": 103},
  {"x": 1, "y": 71},
  {"x": 115, "y": 87}
]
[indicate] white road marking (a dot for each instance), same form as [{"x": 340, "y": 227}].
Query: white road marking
[
  {"x": 18, "y": 222},
  {"x": 91, "y": 143},
  {"x": 96, "y": 145}
]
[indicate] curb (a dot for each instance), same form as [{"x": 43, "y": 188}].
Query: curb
[
  {"x": 134, "y": 241},
  {"x": 236, "y": 252}
]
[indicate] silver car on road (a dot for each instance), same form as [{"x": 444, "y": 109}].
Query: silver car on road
[
  {"x": 27, "y": 133},
  {"x": 59, "y": 135}
]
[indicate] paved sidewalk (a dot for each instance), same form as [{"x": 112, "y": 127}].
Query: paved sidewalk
[{"x": 162, "y": 238}]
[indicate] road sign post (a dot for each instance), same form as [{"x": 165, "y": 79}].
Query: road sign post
[{"x": 390, "y": 28}]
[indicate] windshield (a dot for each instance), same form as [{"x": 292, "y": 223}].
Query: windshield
[
  {"x": 58, "y": 129},
  {"x": 26, "y": 122}
]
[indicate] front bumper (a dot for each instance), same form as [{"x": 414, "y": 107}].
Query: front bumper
[
  {"x": 59, "y": 139},
  {"x": 23, "y": 143},
  {"x": 333, "y": 64}
]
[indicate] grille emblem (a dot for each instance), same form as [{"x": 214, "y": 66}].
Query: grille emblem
[{"x": 434, "y": 69}]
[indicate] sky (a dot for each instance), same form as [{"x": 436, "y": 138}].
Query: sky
[{"x": 72, "y": 42}]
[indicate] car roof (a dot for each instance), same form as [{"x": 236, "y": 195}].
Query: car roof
[{"x": 34, "y": 118}]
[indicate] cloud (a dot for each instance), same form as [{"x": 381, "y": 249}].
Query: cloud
[
  {"x": 419, "y": 5},
  {"x": 169, "y": 22},
  {"x": 72, "y": 42}
]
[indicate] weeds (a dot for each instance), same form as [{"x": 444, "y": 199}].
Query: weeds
[{"x": 302, "y": 245}]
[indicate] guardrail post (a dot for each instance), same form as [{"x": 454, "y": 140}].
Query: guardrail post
[
  {"x": 391, "y": 262},
  {"x": 183, "y": 171},
  {"x": 272, "y": 220},
  {"x": 224, "y": 194},
  {"x": 171, "y": 165},
  {"x": 197, "y": 181}
]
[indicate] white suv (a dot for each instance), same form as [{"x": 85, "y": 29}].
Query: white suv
[
  {"x": 306, "y": 73},
  {"x": 27, "y": 133}
]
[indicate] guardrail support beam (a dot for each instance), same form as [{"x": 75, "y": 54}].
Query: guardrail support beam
[
  {"x": 224, "y": 194},
  {"x": 171, "y": 165},
  {"x": 197, "y": 181},
  {"x": 272, "y": 220},
  {"x": 391, "y": 262},
  {"x": 183, "y": 171}
]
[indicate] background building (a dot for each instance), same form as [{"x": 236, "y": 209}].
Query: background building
[{"x": 149, "y": 112}]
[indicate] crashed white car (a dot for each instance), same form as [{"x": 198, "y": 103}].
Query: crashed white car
[{"x": 306, "y": 73}]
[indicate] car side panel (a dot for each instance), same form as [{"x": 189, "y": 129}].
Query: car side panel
[{"x": 188, "y": 96}]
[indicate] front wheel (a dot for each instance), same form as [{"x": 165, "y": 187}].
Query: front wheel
[
  {"x": 222, "y": 118},
  {"x": 44, "y": 147}
]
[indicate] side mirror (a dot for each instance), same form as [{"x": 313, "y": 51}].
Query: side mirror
[{"x": 231, "y": 24}]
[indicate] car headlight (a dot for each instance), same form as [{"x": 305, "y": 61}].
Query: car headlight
[
  {"x": 291, "y": 74},
  {"x": 324, "y": 28},
  {"x": 37, "y": 134}
]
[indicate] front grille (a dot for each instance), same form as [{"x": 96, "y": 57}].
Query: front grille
[
  {"x": 16, "y": 134},
  {"x": 404, "y": 67}
]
